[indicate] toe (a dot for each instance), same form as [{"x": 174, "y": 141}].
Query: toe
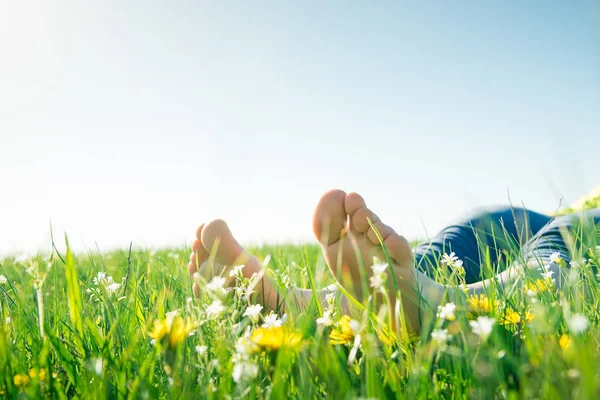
[
  {"x": 399, "y": 249},
  {"x": 353, "y": 202},
  {"x": 197, "y": 290},
  {"x": 216, "y": 236},
  {"x": 199, "y": 231},
  {"x": 198, "y": 251},
  {"x": 359, "y": 221},
  {"x": 383, "y": 229},
  {"x": 330, "y": 217}
]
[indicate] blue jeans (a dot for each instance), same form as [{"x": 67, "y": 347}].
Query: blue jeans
[{"x": 489, "y": 235}]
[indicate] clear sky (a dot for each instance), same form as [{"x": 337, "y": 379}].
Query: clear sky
[{"x": 135, "y": 121}]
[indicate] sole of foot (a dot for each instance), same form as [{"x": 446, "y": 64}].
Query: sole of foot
[
  {"x": 215, "y": 251},
  {"x": 343, "y": 225}
]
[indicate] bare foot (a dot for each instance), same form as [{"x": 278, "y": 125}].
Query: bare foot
[
  {"x": 341, "y": 225},
  {"x": 214, "y": 238}
]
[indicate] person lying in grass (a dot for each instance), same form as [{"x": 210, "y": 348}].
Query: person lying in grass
[{"x": 361, "y": 251}]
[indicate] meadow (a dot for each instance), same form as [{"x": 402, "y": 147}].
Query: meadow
[{"x": 124, "y": 324}]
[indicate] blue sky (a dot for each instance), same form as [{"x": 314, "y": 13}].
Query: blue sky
[{"x": 135, "y": 121}]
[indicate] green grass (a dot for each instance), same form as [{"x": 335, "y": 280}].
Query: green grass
[{"x": 95, "y": 344}]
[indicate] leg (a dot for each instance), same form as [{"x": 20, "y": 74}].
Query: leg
[
  {"x": 482, "y": 237},
  {"x": 216, "y": 237},
  {"x": 561, "y": 235}
]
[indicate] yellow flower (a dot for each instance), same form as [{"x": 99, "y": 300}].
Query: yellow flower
[
  {"x": 21, "y": 380},
  {"x": 564, "y": 342},
  {"x": 33, "y": 373},
  {"x": 342, "y": 332},
  {"x": 539, "y": 285},
  {"x": 511, "y": 317},
  {"x": 172, "y": 330},
  {"x": 480, "y": 305},
  {"x": 274, "y": 338}
]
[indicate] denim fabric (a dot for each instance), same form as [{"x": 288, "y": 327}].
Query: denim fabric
[{"x": 489, "y": 233}]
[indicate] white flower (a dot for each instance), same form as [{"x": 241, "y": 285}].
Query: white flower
[
  {"x": 377, "y": 282},
  {"x": 253, "y": 312},
  {"x": 458, "y": 264},
  {"x": 271, "y": 321},
  {"x": 354, "y": 326},
  {"x": 172, "y": 314},
  {"x": 244, "y": 371},
  {"x": 201, "y": 350},
  {"x": 449, "y": 259},
  {"x": 236, "y": 270},
  {"x": 189, "y": 300},
  {"x": 98, "y": 366},
  {"x": 447, "y": 311},
  {"x": 555, "y": 257},
  {"x": 379, "y": 268},
  {"x": 215, "y": 309},
  {"x": 330, "y": 297},
  {"x": 577, "y": 264},
  {"x": 112, "y": 288},
  {"x": 547, "y": 275},
  {"x": 326, "y": 319},
  {"x": 7, "y": 320},
  {"x": 216, "y": 285},
  {"x": 244, "y": 347},
  {"x": 483, "y": 326},
  {"x": 440, "y": 336},
  {"x": 501, "y": 354},
  {"x": 106, "y": 281},
  {"x": 578, "y": 323},
  {"x": 3, "y": 280}
]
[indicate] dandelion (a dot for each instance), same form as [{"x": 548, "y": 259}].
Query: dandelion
[
  {"x": 538, "y": 286},
  {"x": 171, "y": 331},
  {"x": 21, "y": 380},
  {"x": 446, "y": 312},
  {"x": 253, "y": 312},
  {"x": 440, "y": 336},
  {"x": 244, "y": 371},
  {"x": 215, "y": 309},
  {"x": 272, "y": 321},
  {"x": 326, "y": 319},
  {"x": 236, "y": 271},
  {"x": 201, "y": 350},
  {"x": 511, "y": 317},
  {"x": 3, "y": 280},
  {"x": 578, "y": 323},
  {"x": 216, "y": 286},
  {"x": 565, "y": 341},
  {"x": 344, "y": 331},
  {"x": 272, "y": 339},
  {"x": 35, "y": 374},
  {"x": 481, "y": 305},
  {"x": 482, "y": 326}
]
